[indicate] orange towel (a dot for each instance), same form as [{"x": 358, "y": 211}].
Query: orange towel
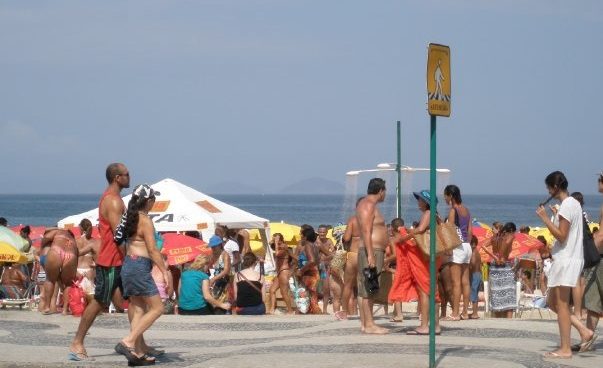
[{"x": 412, "y": 272}]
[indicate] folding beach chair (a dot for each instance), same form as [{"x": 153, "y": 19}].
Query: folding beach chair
[
  {"x": 15, "y": 298},
  {"x": 531, "y": 302}
]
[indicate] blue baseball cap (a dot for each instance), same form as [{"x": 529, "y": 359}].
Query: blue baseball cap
[
  {"x": 215, "y": 241},
  {"x": 424, "y": 196}
]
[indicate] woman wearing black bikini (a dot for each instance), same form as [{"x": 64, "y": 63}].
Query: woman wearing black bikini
[{"x": 281, "y": 281}]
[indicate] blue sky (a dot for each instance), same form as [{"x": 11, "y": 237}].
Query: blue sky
[{"x": 267, "y": 93}]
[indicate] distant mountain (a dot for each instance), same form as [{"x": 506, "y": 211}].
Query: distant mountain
[
  {"x": 232, "y": 187},
  {"x": 314, "y": 186}
]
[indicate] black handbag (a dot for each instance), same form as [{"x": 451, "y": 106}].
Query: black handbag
[{"x": 591, "y": 253}]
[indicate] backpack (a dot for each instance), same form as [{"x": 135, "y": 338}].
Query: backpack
[{"x": 591, "y": 253}]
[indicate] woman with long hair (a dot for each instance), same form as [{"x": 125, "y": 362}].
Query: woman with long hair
[
  {"x": 248, "y": 288},
  {"x": 503, "y": 299},
  {"x": 283, "y": 272},
  {"x": 461, "y": 255},
  {"x": 307, "y": 254},
  {"x": 145, "y": 305},
  {"x": 568, "y": 260}
]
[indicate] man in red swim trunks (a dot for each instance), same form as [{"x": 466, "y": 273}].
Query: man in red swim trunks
[{"x": 109, "y": 259}]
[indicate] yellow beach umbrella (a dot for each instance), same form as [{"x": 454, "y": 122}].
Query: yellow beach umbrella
[
  {"x": 8, "y": 253},
  {"x": 542, "y": 231},
  {"x": 289, "y": 231},
  {"x": 592, "y": 226}
]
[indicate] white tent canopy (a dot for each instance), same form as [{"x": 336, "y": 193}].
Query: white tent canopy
[{"x": 182, "y": 208}]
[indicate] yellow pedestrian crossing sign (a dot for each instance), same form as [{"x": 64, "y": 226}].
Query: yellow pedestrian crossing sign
[{"x": 438, "y": 80}]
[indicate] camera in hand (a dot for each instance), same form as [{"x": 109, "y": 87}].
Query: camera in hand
[{"x": 371, "y": 279}]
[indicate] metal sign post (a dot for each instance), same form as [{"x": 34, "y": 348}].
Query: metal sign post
[
  {"x": 438, "y": 102},
  {"x": 399, "y": 172}
]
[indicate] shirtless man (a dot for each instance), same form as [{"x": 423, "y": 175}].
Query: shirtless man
[
  {"x": 351, "y": 238},
  {"x": 109, "y": 260},
  {"x": 88, "y": 248},
  {"x": 371, "y": 251}
]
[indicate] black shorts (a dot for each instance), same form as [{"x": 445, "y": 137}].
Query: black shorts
[{"x": 106, "y": 281}]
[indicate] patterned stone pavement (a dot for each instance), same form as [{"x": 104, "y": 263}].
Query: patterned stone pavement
[{"x": 28, "y": 339}]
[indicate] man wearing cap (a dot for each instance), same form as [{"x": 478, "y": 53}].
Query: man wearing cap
[
  {"x": 109, "y": 259},
  {"x": 371, "y": 252}
]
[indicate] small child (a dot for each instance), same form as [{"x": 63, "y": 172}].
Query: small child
[{"x": 476, "y": 277}]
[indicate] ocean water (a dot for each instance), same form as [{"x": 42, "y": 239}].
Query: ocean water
[{"x": 48, "y": 209}]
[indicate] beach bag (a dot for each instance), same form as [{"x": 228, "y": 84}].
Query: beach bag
[
  {"x": 77, "y": 299},
  {"x": 219, "y": 291},
  {"x": 300, "y": 296},
  {"x": 591, "y": 253},
  {"x": 339, "y": 259},
  {"x": 447, "y": 238}
]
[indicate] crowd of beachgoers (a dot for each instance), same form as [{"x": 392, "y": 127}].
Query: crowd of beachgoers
[{"x": 342, "y": 271}]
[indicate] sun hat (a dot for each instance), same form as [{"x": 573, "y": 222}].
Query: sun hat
[
  {"x": 215, "y": 241},
  {"x": 145, "y": 191},
  {"x": 424, "y": 196}
]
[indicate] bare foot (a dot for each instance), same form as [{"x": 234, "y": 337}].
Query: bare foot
[{"x": 376, "y": 330}]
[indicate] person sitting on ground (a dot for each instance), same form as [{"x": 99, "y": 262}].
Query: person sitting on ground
[
  {"x": 476, "y": 277},
  {"x": 194, "y": 296},
  {"x": 221, "y": 283},
  {"x": 248, "y": 288},
  {"x": 13, "y": 283}
]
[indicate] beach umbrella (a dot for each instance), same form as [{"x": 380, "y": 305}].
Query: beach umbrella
[
  {"x": 7, "y": 236},
  {"x": 522, "y": 244},
  {"x": 36, "y": 234},
  {"x": 543, "y": 231},
  {"x": 8, "y": 253},
  {"x": 476, "y": 223},
  {"x": 289, "y": 231},
  {"x": 181, "y": 248}
]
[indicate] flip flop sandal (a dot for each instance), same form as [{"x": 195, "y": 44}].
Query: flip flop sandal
[
  {"x": 78, "y": 357},
  {"x": 586, "y": 346},
  {"x": 122, "y": 349},
  {"x": 141, "y": 361},
  {"x": 451, "y": 318},
  {"x": 396, "y": 320},
  {"x": 554, "y": 355}
]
